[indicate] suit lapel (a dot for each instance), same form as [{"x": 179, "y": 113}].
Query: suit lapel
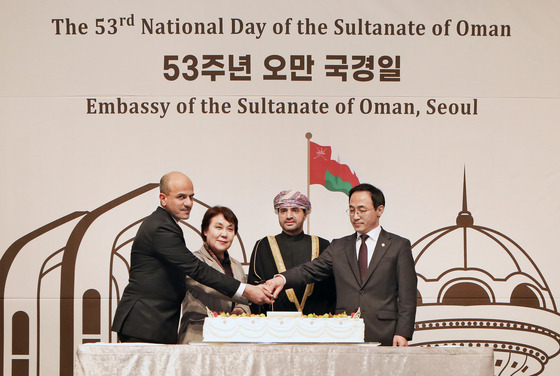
[
  {"x": 383, "y": 244},
  {"x": 208, "y": 259},
  {"x": 169, "y": 218},
  {"x": 350, "y": 248}
]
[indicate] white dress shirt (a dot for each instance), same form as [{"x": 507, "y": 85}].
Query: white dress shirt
[{"x": 371, "y": 242}]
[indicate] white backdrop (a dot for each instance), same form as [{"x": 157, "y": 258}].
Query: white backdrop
[{"x": 56, "y": 158}]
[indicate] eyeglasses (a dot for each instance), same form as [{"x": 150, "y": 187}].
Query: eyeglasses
[{"x": 361, "y": 211}]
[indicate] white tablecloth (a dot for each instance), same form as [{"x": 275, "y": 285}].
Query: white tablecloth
[{"x": 280, "y": 360}]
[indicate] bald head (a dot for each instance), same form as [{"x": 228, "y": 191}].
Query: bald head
[
  {"x": 171, "y": 178},
  {"x": 176, "y": 194}
]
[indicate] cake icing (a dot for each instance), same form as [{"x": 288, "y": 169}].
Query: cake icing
[{"x": 283, "y": 329}]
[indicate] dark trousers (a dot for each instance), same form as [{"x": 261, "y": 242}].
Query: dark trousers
[{"x": 125, "y": 338}]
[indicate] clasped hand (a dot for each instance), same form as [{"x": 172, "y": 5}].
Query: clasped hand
[
  {"x": 275, "y": 285},
  {"x": 264, "y": 293},
  {"x": 259, "y": 294}
]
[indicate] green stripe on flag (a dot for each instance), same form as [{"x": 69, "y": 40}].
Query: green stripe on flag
[{"x": 336, "y": 184}]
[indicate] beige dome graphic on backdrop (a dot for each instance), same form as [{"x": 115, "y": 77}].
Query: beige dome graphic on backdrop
[
  {"x": 61, "y": 283},
  {"x": 465, "y": 300}
]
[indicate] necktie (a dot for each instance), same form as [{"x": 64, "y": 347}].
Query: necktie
[{"x": 362, "y": 257}]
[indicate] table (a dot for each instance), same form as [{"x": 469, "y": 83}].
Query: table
[{"x": 280, "y": 359}]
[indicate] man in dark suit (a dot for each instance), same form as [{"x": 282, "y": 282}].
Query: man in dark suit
[
  {"x": 375, "y": 274},
  {"x": 151, "y": 303}
]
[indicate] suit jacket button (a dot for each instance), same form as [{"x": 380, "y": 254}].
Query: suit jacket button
[{"x": 361, "y": 292}]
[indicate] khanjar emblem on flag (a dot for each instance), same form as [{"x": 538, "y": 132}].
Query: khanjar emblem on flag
[{"x": 331, "y": 174}]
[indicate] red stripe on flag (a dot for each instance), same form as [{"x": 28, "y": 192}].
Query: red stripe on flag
[
  {"x": 320, "y": 162},
  {"x": 319, "y": 157}
]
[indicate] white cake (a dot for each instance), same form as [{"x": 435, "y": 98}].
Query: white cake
[{"x": 283, "y": 329}]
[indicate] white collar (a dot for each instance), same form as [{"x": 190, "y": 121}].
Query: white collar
[{"x": 373, "y": 234}]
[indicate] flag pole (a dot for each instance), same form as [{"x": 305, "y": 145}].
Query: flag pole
[{"x": 308, "y": 135}]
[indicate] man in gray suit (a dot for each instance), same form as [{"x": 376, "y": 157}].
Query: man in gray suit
[{"x": 373, "y": 270}]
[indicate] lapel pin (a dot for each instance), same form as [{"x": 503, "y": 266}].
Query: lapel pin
[{"x": 383, "y": 244}]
